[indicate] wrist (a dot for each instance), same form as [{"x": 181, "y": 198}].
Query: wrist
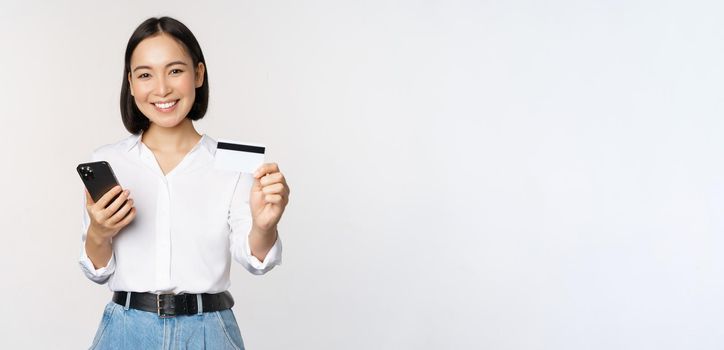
[
  {"x": 96, "y": 239},
  {"x": 260, "y": 231}
]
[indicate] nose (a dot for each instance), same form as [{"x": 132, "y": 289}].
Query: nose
[{"x": 162, "y": 87}]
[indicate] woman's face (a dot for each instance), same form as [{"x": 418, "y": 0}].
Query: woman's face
[{"x": 163, "y": 80}]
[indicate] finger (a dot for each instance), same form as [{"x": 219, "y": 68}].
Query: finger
[
  {"x": 88, "y": 200},
  {"x": 256, "y": 187},
  {"x": 273, "y": 198},
  {"x": 271, "y": 179},
  {"x": 118, "y": 202},
  {"x": 273, "y": 189},
  {"x": 103, "y": 202},
  {"x": 121, "y": 213},
  {"x": 266, "y": 168},
  {"x": 127, "y": 220}
]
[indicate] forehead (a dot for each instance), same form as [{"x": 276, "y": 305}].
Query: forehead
[{"x": 158, "y": 50}]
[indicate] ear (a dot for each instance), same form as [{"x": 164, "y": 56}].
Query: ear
[
  {"x": 130, "y": 84},
  {"x": 200, "y": 70}
]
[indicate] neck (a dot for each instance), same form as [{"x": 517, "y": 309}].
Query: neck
[{"x": 179, "y": 138}]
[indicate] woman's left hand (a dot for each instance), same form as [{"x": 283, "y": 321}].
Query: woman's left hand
[{"x": 269, "y": 196}]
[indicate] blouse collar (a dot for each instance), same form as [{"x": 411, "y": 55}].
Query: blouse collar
[{"x": 206, "y": 142}]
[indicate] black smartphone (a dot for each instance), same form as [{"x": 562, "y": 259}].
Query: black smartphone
[{"x": 98, "y": 178}]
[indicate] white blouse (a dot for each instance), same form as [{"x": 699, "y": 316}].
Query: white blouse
[{"x": 188, "y": 223}]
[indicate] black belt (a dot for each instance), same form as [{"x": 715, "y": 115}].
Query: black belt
[{"x": 170, "y": 305}]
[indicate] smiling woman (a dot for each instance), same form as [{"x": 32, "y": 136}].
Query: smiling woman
[
  {"x": 163, "y": 79},
  {"x": 163, "y": 58},
  {"x": 166, "y": 252}
]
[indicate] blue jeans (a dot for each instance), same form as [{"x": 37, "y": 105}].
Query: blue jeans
[{"x": 122, "y": 328}]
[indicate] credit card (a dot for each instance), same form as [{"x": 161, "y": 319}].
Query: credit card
[{"x": 235, "y": 156}]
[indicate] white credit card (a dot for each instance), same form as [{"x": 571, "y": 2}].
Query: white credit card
[{"x": 235, "y": 156}]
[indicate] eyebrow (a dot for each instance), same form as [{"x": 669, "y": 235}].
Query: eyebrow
[{"x": 168, "y": 65}]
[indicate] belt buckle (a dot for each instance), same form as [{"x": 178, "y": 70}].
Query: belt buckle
[{"x": 162, "y": 309}]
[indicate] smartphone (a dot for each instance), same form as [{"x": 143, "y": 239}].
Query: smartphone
[{"x": 98, "y": 178}]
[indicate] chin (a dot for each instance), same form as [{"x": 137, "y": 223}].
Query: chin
[{"x": 165, "y": 123}]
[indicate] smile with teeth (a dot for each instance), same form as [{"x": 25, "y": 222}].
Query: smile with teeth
[{"x": 165, "y": 105}]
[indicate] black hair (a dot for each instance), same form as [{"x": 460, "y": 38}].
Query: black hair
[{"x": 133, "y": 119}]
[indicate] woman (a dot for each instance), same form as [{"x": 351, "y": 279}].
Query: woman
[{"x": 164, "y": 245}]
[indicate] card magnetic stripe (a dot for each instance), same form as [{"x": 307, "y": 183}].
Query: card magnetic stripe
[{"x": 243, "y": 148}]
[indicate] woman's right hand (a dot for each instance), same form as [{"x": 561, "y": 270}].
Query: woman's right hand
[{"x": 107, "y": 219}]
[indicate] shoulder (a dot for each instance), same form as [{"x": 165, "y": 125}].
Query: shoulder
[{"x": 119, "y": 146}]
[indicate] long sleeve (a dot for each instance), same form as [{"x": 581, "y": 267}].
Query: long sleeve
[
  {"x": 240, "y": 221},
  {"x": 102, "y": 274}
]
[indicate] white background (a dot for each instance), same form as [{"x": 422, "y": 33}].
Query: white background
[{"x": 464, "y": 175}]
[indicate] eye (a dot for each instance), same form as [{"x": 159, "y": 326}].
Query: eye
[
  {"x": 176, "y": 71},
  {"x": 143, "y": 75}
]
